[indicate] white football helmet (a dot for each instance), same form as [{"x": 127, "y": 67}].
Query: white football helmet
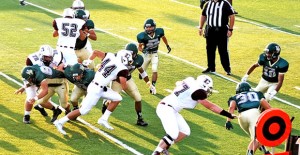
[
  {"x": 125, "y": 56},
  {"x": 206, "y": 83},
  {"x": 68, "y": 12},
  {"x": 78, "y": 4},
  {"x": 46, "y": 51}
]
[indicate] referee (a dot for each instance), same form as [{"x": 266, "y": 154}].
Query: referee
[{"x": 219, "y": 18}]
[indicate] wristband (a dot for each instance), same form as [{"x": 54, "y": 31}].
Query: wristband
[
  {"x": 227, "y": 114},
  {"x": 143, "y": 75},
  {"x": 230, "y": 30},
  {"x": 36, "y": 98}
]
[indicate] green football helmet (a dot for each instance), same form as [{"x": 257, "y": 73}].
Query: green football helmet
[
  {"x": 242, "y": 87},
  {"x": 272, "y": 51},
  {"x": 149, "y": 26},
  {"x": 77, "y": 70},
  {"x": 80, "y": 14},
  {"x": 132, "y": 47},
  {"x": 28, "y": 74}
]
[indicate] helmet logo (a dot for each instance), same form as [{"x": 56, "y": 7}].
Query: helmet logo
[{"x": 29, "y": 72}]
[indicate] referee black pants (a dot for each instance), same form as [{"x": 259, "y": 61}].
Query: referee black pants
[{"x": 217, "y": 37}]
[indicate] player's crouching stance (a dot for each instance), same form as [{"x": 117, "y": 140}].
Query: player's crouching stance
[
  {"x": 111, "y": 68},
  {"x": 248, "y": 102},
  {"x": 37, "y": 78},
  {"x": 186, "y": 95}
]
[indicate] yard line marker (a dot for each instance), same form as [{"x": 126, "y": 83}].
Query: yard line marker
[
  {"x": 177, "y": 58},
  {"x": 298, "y": 88},
  {"x": 86, "y": 123}
]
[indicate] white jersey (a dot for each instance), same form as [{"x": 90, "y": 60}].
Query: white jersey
[
  {"x": 109, "y": 69},
  {"x": 68, "y": 31},
  {"x": 35, "y": 59},
  {"x": 181, "y": 97}
]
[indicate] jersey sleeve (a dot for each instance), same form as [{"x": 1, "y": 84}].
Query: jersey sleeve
[
  {"x": 232, "y": 98},
  {"x": 140, "y": 37},
  {"x": 140, "y": 61},
  {"x": 284, "y": 66},
  {"x": 199, "y": 94},
  {"x": 261, "y": 59},
  {"x": 123, "y": 73},
  {"x": 28, "y": 62},
  {"x": 161, "y": 32},
  {"x": 260, "y": 95}
]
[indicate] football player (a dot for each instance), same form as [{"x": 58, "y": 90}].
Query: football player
[
  {"x": 248, "y": 103},
  {"x": 79, "y": 5},
  {"x": 36, "y": 77},
  {"x": 186, "y": 95},
  {"x": 81, "y": 77},
  {"x": 132, "y": 89},
  {"x": 274, "y": 68},
  {"x": 148, "y": 43},
  {"x": 46, "y": 56},
  {"x": 83, "y": 48},
  {"x": 112, "y": 68},
  {"x": 68, "y": 29}
]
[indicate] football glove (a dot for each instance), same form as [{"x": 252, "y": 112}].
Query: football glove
[
  {"x": 87, "y": 62},
  {"x": 272, "y": 94},
  {"x": 169, "y": 48},
  {"x": 228, "y": 125},
  {"x": 245, "y": 77},
  {"x": 152, "y": 88}
]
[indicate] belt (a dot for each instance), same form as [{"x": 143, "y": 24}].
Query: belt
[
  {"x": 103, "y": 87},
  {"x": 54, "y": 85},
  {"x": 66, "y": 46},
  {"x": 163, "y": 103}
]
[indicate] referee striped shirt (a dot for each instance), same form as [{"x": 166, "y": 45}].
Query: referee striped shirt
[{"x": 217, "y": 13}]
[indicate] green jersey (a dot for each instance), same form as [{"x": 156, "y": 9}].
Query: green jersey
[
  {"x": 88, "y": 76},
  {"x": 44, "y": 72},
  {"x": 81, "y": 43},
  {"x": 247, "y": 100},
  {"x": 271, "y": 71},
  {"x": 137, "y": 63},
  {"x": 150, "y": 43}
]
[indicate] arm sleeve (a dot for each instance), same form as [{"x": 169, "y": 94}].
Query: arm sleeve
[
  {"x": 123, "y": 73},
  {"x": 199, "y": 94},
  {"x": 54, "y": 25},
  {"x": 28, "y": 62}
]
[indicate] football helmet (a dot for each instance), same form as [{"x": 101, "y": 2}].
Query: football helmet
[
  {"x": 272, "y": 51},
  {"x": 46, "y": 54},
  {"x": 80, "y": 14},
  {"x": 68, "y": 12},
  {"x": 242, "y": 87},
  {"x": 78, "y": 4},
  {"x": 206, "y": 83},
  {"x": 28, "y": 74},
  {"x": 149, "y": 26},
  {"x": 132, "y": 47},
  {"x": 126, "y": 57},
  {"x": 77, "y": 70}
]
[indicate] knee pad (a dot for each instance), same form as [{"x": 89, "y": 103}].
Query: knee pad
[{"x": 168, "y": 140}]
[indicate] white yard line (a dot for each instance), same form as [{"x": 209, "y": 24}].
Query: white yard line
[
  {"x": 174, "y": 57},
  {"x": 243, "y": 20},
  {"x": 87, "y": 124},
  {"x": 296, "y": 87}
]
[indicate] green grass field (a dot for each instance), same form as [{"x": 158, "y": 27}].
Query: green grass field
[{"x": 24, "y": 29}]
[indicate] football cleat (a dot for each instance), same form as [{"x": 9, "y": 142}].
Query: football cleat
[
  {"x": 26, "y": 119},
  {"x": 22, "y": 2},
  {"x": 56, "y": 113},
  {"x": 165, "y": 152},
  {"x": 141, "y": 122},
  {"x": 105, "y": 124},
  {"x": 156, "y": 153},
  {"x": 59, "y": 127},
  {"x": 41, "y": 110}
]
